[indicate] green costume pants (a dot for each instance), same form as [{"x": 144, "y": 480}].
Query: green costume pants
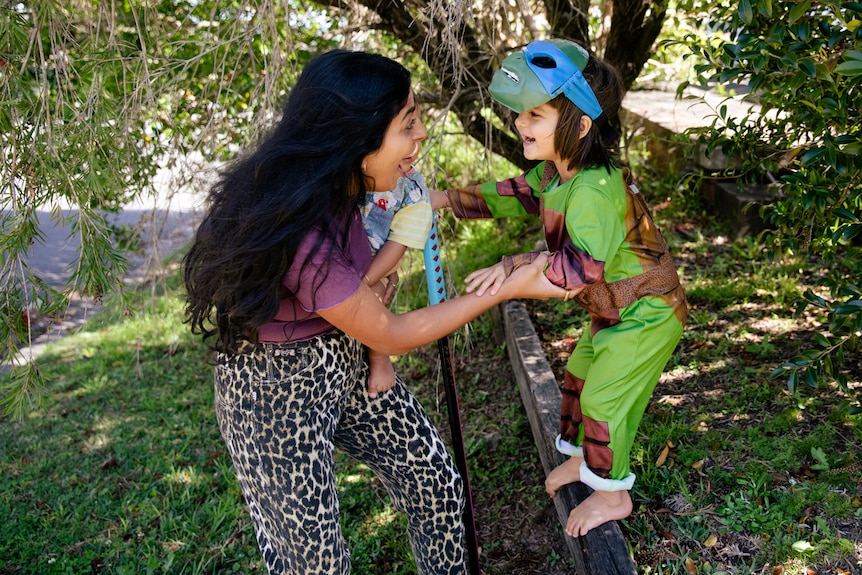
[{"x": 613, "y": 373}]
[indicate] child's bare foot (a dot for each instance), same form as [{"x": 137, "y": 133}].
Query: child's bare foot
[
  {"x": 598, "y": 508},
  {"x": 563, "y": 474},
  {"x": 381, "y": 376}
]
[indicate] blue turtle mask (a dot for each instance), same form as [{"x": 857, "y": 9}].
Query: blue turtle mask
[{"x": 542, "y": 71}]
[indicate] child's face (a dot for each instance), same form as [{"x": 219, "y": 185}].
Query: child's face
[{"x": 537, "y": 127}]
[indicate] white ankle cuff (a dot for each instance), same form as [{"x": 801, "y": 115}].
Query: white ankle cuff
[
  {"x": 602, "y": 484},
  {"x": 567, "y": 448}
]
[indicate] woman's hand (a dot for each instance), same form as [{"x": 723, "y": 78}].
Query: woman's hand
[{"x": 485, "y": 279}]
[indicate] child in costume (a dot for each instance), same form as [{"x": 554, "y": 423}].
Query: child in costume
[
  {"x": 605, "y": 250},
  {"x": 394, "y": 221}
]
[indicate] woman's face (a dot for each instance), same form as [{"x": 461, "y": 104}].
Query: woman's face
[{"x": 401, "y": 145}]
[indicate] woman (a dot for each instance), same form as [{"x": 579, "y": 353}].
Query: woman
[{"x": 276, "y": 275}]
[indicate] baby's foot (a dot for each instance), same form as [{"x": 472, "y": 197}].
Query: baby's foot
[{"x": 381, "y": 377}]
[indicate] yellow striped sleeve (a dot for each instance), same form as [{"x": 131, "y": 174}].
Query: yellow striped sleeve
[{"x": 411, "y": 225}]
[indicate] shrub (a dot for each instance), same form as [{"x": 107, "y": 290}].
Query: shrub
[{"x": 802, "y": 63}]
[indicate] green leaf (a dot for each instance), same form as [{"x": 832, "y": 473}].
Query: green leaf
[
  {"x": 852, "y": 231},
  {"x": 812, "y": 156},
  {"x": 803, "y": 30},
  {"x": 814, "y": 298},
  {"x": 849, "y": 68},
  {"x": 853, "y": 149},
  {"x": 848, "y": 308},
  {"x": 745, "y": 12},
  {"x": 823, "y": 73},
  {"x": 818, "y": 454},
  {"x": 793, "y": 381},
  {"x": 802, "y": 546},
  {"x": 845, "y": 214},
  {"x": 799, "y": 11},
  {"x": 21, "y": 391}
]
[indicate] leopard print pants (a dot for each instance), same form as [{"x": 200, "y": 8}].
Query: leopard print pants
[{"x": 283, "y": 408}]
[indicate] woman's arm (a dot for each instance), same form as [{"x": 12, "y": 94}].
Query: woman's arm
[{"x": 365, "y": 318}]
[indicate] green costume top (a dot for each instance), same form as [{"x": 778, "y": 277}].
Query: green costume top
[{"x": 599, "y": 231}]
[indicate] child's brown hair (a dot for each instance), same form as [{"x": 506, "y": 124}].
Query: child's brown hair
[{"x": 592, "y": 149}]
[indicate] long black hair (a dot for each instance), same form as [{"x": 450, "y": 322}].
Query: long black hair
[{"x": 306, "y": 173}]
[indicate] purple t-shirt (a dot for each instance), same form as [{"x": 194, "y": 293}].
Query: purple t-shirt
[{"x": 297, "y": 318}]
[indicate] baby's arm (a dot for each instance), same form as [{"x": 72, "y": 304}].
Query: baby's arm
[{"x": 385, "y": 262}]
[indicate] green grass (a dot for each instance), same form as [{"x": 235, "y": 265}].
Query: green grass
[{"x": 120, "y": 465}]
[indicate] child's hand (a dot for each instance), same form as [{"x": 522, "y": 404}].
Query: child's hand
[
  {"x": 486, "y": 279},
  {"x": 391, "y": 284}
]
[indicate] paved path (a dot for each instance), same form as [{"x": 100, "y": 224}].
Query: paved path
[{"x": 695, "y": 109}]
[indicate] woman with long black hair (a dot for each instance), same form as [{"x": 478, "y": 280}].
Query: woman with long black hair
[{"x": 276, "y": 275}]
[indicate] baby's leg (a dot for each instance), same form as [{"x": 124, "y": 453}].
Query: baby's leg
[
  {"x": 381, "y": 374},
  {"x": 600, "y": 507}
]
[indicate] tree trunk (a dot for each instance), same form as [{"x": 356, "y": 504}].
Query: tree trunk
[
  {"x": 635, "y": 25},
  {"x": 570, "y": 20}
]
